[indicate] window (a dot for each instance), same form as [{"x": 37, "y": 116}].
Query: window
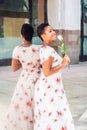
[{"x": 12, "y": 15}]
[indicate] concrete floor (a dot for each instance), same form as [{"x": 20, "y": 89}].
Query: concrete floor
[{"x": 75, "y": 83}]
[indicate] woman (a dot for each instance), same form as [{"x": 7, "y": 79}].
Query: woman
[
  {"x": 25, "y": 56},
  {"x": 51, "y": 106}
]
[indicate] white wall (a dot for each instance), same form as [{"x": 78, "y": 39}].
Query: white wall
[
  {"x": 64, "y": 14},
  {"x": 72, "y": 14},
  {"x": 54, "y": 13}
]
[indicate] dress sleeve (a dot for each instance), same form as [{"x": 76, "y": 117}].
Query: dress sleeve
[
  {"x": 15, "y": 53},
  {"x": 45, "y": 53}
]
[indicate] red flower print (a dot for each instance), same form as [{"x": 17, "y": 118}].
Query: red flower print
[
  {"x": 50, "y": 113},
  {"x": 38, "y": 125},
  {"x": 19, "y": 119},
  {"x": 29, "y": 63},
  {"x": 44, "y": 111},
  {"x": 14, "y": 125},
  {"x": 28, "y": 103},
  {"x": 49, "y": 86},
  {"x": 55, "y": 120},
  {"x": 39, "y": 112},
  {"x": 40, "y": 100},
  {"x": 52, "y": 99},
  {"x": 17, "y": 94},
  {"x": 34, "y": 66},
  {"x": 22, "y": 112},
  {"x": 18, "y": 56},
  {"x": 26, "y": 117},
  {"x": 22, "y": 75},
  {"x": 59, "y": 113},
  {"x": 43, "y": 78},
  {"x": 44, "y": 94},
  {"x": 16, "y": 106},
  {"x": 62, "y": 91},
  {"x": 56, "y": 60},
  {"x": 8, "y": 116},
  {"x": 34, "y": 50},
  {"x": 32, "y": 70},
  {"x": 63, "y": 128},
  {"x": 34, "y": 82},
  {"x": 48, "y": 128},
  {"x": 43, "y": 59},
  {"x": 57, "y": 79},
  {"x": 37, "y": 89},
  {"x": 21, "y": 98},
  {"x": 31, "y": 99},
  {"x": 22, "y": 86},
  {"x": 37, "y": 103},
  {"x": 5, "y": 126},
  {"x": 31, "y": 121},
  {"x": 24, "y": 51},
  {"x": 38, "y": 60},
  {"x": 38, "y": 71},
  {"x": 64, "y": 109},
  {"x": 23, "y": 61},
  {"x": 26, "y": 93},
  {"x": 56, "y": 90},
  {"x": 61, "y": 97}
]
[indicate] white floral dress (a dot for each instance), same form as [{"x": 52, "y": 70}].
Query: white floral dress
[
  {"x": 21, "y": 111},
  {"x": 51, "y": 106}
]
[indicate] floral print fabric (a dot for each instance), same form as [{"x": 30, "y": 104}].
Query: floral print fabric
[
  {"x": 51, "y": 106},
  {"x": 21, "y": 111}
]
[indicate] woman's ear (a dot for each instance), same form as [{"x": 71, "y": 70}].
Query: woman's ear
[
  {"x": 22, "y": 37},
  {"x": 43, "y": 36}
]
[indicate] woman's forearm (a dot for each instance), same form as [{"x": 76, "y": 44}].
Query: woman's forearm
[{"x": 53, "y": 70}]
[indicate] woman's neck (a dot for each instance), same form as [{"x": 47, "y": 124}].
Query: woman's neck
[
  {"x": 47, "y": 43},
  {"x": 27, "y": 43}
]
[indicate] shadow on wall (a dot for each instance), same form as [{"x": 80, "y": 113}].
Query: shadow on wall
[{"x": 6, "y": 48}]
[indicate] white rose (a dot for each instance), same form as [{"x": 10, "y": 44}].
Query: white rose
[{"x": 60, "y": 38}]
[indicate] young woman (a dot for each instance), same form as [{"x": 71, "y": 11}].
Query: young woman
[
  {"x": 25, "y": 56},
  {"x": 51, "y": 106}
]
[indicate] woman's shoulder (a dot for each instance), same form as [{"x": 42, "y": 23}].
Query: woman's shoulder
[
  {"x": 36, "y": 46},
  {"x": 18, "y": 46},
  {"x": 46, "y": 49}
]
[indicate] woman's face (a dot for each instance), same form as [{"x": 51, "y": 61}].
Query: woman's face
[{"x": 49, "y": 34}]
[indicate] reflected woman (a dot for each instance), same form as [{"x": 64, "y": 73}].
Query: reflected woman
[{"x": 25, "y": 56}]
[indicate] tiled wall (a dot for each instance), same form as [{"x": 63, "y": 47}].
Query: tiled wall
[{"x": 72, "y": 42}]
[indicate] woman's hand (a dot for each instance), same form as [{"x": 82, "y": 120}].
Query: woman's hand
[
  {"x": 15, "y": 64},
  {"x": 51, "y": 60},
  {"x": 66, "y": 60}
]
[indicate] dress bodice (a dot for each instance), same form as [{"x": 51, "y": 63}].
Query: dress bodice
[
  {"x": 28, "y": 56},
  {"x": 46, "y": 52}
]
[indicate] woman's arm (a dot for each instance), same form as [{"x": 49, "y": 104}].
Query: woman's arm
[
  {"x": 15, "y": 64},
  {"x": 49, "y": 70}
]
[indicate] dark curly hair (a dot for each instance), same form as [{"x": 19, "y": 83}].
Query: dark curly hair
[
  {"x": 41, "y": 29},
  {"x": 27, "y": 31}
]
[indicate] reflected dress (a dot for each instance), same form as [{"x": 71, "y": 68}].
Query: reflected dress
[
  {"x": 51, "y": 106},
  {"x": 21, "y": 110}
]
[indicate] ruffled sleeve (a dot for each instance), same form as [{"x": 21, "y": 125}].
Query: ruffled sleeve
[
  {"x": 45, "y": 53},
  {"x": 15, "y": 54}
]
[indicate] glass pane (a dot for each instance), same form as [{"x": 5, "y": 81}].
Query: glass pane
[
  {"x": 85, "y": 46},
  {"x": 85, "y": 29},
  {"x": 85, "y": 1},
  {"x": 35, "y": 15},
  {"x": 9, "y": 35},
  {"x": 14, "y": 5},
  {"x": 1, "y": 27}
]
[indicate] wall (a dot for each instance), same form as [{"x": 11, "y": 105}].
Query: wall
[{"x": 64, "y": 16}]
